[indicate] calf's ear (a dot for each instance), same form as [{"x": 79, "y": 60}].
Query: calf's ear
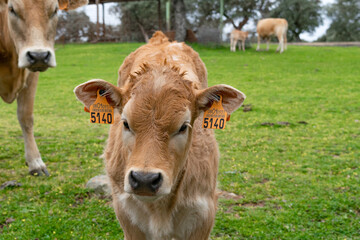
[
  {"x": 231, "y": 97},
  {"x": 87, "y": 92},
  {"x": 71, "y": 4}
]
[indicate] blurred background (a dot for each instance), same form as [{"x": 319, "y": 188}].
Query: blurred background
[{"x": 206, "y": 21}]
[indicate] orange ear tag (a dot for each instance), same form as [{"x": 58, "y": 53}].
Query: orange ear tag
[
  {"x": 215, "y": 117},
  {"x": 101, "y": 111}
]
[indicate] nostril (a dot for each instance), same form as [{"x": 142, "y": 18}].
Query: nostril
[
  {"x": 133, "y": 180},
  {"x": 47, "y": 57},
  {"x": 30, "y": 57},
  {"x": 145, "y": 181},
  {"x": 34, "y": 57},
  {"x": 156, "y": 182}
]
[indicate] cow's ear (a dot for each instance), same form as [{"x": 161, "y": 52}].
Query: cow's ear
[
  {"x": 87, "y": 92},
  {"x": 231, "y": 97},
  {"x": 71, "y": 4}
]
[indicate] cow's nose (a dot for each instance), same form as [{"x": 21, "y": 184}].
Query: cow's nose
[
  {"x": 38, "y": 57},
  {"x": 145, "y": 181}
]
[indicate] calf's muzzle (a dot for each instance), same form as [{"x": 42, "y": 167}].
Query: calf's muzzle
[{"x": 145, "y": 183}]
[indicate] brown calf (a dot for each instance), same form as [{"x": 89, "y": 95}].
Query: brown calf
[
  {"x": 27, "y": 32},
  {"x": 161, "y": 163},
  {"x": 235, "y": 36},
  {"x": 272, "y": 26}
]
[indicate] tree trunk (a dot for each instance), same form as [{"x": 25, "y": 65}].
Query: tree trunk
[
  {"x": 159, "y": 15},
  {"x": 180, "y": 20},
  {"x": 242, "y": 23},
  {"x": 296, "y": 36},
  {"x": 146, "y": 37}
]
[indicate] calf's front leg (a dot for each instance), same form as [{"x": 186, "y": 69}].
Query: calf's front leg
[
  {"x": 25, "y": 105},
  {"x": 131, "y": 231},
  {"x": 203, "y": 232}
]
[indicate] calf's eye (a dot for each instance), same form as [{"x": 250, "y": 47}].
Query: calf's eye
[
  {"x": 126, "y": 125},
  {"x": 183, "y": 128},
  {"x": 12, "y": 11}
]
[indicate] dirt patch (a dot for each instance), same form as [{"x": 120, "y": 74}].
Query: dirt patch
[
  {"x": 79, "y": 198},
  {"x": 327, "y": 44},
  {"x": 282, "y": 124},
  {"x": 10, "y": 184},
  {"x": 253, "y": 204},
  {"x": 265, "y": 180},
  {"x": 247, "y": 107},
  {"x": 7, "y": 222},
  {"x": 230, "y": 195}
]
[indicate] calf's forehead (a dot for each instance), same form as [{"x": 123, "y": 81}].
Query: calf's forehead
[{"x": 164, "y": 107}]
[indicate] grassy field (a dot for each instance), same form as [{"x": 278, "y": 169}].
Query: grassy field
[{"x": 293, "y": 181}]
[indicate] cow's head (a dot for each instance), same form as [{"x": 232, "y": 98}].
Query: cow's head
[
  {"x": 32, "y": 26},
  {"x": 150, "y": 141}
]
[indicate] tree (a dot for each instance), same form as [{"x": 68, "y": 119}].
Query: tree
[
  {"x": 302, "y": 16},
  {"x": 180, "y": 20},
  {"x": 74, "y": 27},
  {"x": 345, "y": 16},
  {"x": 138, "y": 19},
  {"x": 236, "y": 12}
]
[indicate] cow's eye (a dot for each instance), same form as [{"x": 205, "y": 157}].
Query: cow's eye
[
  {"x": 126, "y": 125},
  {"x": 54, "y": 13},
  {"x": 183, "y": 128},
  {"x": 12, "y": 11}
]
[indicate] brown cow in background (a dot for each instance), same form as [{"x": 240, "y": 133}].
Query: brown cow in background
[
  {"x": 27, "y": 33},
  {"x": 161, "y": 163},
  {"x": 272, "y": 26}
]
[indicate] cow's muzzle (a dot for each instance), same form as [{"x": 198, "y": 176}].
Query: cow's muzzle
[
  {"x": 38, "y": 61},
  {"x": 145, "y": 183},
  {"x": 37, "y": 58}
]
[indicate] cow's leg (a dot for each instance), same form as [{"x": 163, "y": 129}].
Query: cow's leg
[
  {"x": 267, "y": 43},
  {"x": 281, "y": 44},
  {"x": 131, "y": 231},
  {"x": 243, "y": 45},
  {"x": 25, "y": 104},
  {"x": 205, "y": 224},
  {"x": 231, "y": 44},
  {"x": 203, "y": 232},
  {"x": 234, "y": 45},
  {"x": 285, "y": 42},
  {"x": 258, "y": 45}
]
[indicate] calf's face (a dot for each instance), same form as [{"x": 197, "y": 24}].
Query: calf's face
[
  {"x": 32, "y": 26},
  {"x": 155, "y": 129}
]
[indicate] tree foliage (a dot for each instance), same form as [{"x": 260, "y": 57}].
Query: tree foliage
[
  {"x": 138, "y": 19},
  {"x": 236, "y": 12},
  {"x": 75, "y": 27},
  {"x": 302, "y": 16},
  {"x": 345, "y": 16}
]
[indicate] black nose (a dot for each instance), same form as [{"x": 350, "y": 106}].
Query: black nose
[
  {"x": 145, "y": 182},
  {"x": 38, "y": 57}
]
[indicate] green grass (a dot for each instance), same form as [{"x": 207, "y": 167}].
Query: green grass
[{"x": 300, "y": 181}]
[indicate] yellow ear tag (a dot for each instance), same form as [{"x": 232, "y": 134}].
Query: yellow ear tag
[
  {"x": 215, "y": 117},
  {"x": 101, "y": 111}
]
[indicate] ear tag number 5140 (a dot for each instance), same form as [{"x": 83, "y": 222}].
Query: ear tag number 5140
[
  {"x": 215, "y": 117},
  {"x": 101, "y": 111}
]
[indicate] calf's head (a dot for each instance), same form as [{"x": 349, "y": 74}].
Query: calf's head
[
  {"x": 32, "y": 27},
  {"x": 150, "y": 139}
]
